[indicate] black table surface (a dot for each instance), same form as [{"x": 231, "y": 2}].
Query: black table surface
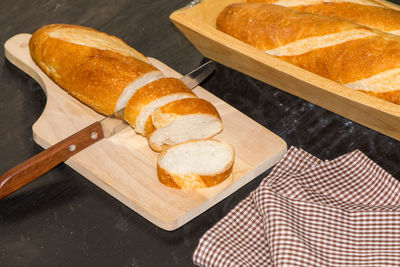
[{"x": 62, "y": 219}]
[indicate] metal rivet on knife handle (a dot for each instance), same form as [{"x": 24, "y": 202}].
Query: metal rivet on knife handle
[
  {"x": 94, "y": 135},
  {"x": 41, "y": 163}
]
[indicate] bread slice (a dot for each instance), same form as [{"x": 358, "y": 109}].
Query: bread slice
[
  {"x": 195, "y": 164},
  {"x": 152, "y": 96},
  {"x": 182, "y": 120},
  {"x": 98, "y": 69}
]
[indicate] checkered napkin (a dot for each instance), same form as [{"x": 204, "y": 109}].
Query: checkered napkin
[{"x": 308, "y": 212}]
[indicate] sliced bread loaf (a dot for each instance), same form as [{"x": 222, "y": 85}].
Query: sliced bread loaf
[
  {"x": 152, "y": 96},
  {"x": 98, "y": 69},
  {"x": 195, "y": 164},
  {"x": 182, "y": 120}
]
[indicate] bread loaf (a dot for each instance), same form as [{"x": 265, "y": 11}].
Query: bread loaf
[
  {"x": 195, "y": 164},
  {"x": 98, "y": 69},
  {"x": 355, "y": 56},
  {"x": 364, "y": 12},
  {"x": 106, "y": 74},
  {"x": 182, "y": 120},
  {"x": 148, "y": 98}
]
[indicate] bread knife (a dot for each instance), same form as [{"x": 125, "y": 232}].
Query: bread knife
[{"x": 46, "y": 160}]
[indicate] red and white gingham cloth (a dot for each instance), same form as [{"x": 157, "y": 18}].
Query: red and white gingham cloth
[{"x": 306, "y": 212}]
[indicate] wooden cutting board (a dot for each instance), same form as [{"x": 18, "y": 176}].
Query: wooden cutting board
[{"x": 124, "y": 165}]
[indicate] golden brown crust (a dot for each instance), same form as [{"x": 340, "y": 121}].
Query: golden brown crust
[
  {"x": 392, "y": 96},
  {"x": 261, "y": 25},
  {"x": 149, "y": 126},
  {"x": 353, "y": 60},
  {"x": 317, "y": 2},
  {"x": 151, "y": 92},
  {"x": 213, "y": 180},
  {"x": 90, "y": 38},
  {"x": 204, "y": 181},
  {"x": 381, "y": 18},
  {"x": 347, "y": 62},
  {"x": 165, "y": 177},
  {"x": 190, "y": 106},
  {"x": 97, "y": 77},
  {"x": 262, "y": 1}
]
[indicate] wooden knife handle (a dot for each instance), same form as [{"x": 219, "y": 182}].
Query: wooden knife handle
[{"x": 46, "y": 160}]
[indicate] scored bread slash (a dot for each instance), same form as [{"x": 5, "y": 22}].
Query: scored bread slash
[
  {"x": 89, "y": 37},
  {"x": 363, "y": 12},
  {"x": 195, "y": 164}
]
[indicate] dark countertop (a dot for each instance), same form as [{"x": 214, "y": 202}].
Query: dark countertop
[{"x": 62, "y": 219}]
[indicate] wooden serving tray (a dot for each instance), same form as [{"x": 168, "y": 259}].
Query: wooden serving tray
[
  {"x": 124, "y": 165},
  {"x": 197, "y": 23}
]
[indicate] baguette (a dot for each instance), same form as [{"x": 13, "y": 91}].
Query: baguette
[
  {"x": 106, "y": 74},
  {"x": 152, "y": 96},
  {"x": 355, "y": 56},
  {"x": 195, "y": 164},
  {"x": 363, "y": 12},
  {"x": 182, "y": 120},
  {"x": 98, "y": 69}
]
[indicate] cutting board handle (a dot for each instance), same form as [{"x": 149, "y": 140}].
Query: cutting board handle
[{"x": 15, "y": 50}]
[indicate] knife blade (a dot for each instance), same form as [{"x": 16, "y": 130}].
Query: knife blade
[{"x": 36, "y": 166}]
